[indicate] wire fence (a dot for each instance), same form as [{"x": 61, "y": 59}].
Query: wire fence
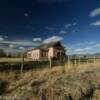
[{"x": 29, "y": 65}]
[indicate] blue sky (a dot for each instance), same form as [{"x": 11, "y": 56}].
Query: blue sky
[{"x": 25, "y": 24}]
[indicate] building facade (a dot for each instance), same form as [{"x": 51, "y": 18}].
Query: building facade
[{"x": 52, "y": 50}]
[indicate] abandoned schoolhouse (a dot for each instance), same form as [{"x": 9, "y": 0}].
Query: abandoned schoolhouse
[{"x": 54, "y": 50}]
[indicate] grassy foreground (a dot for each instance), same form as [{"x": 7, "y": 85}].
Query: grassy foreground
[{"x": 58, "y": 83}]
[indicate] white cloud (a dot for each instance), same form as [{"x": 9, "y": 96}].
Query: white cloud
[
  {"x": 37, "y": 39},
  {"x": 26, "y": 14},
  {"x": 97, "y": 23},
  {"x": 97, "y": 45},
  {"x": 83, "y": 49},
  {"x": 70, "y": 25},
  {"x": 86, "y": 43},
  {"x": 83, "y": 44},
  {"x": 67, "y": 26},
  {"x": 11, "y": 46},
  {"x": 16, "y": 45},
  {"x": 1, "y": 38},
  {"x": 95, "y": 12},
  {"x": 22, "y": 43},
  {"x": 74, "y": 24},
  {"x": 88, "y": 48},
  {"x": 62, "y": 32},
  {"x": 21, "y": 48},
  {"x": 9, "y": 50},
  {"x": 79, "y": 49},
  {"x": 53, "y": 39}
]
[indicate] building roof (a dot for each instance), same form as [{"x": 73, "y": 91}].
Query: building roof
[{"x": 45, "y": 46}]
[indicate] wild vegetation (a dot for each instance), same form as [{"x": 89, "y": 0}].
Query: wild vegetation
[{"x": 66, "y": 82}]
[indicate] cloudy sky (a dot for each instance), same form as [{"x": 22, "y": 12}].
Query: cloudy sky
[{"x": 25, "y": 24}]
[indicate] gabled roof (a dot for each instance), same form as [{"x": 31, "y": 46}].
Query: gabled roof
[
  {"x": 48, "y": 45},
  {"x": 45, "y": 46}
]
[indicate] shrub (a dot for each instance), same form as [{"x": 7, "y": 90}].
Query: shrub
[{"x": 3, "y": 86}]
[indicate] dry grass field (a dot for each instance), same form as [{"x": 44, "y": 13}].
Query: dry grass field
[
  {"x": 68, "y": 82},
  {"x": 13, "y": 60}
]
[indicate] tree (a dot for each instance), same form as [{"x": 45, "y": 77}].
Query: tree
[{"x": 2, "y": 53}]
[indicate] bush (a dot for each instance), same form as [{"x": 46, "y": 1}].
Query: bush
[{"x": 3, "y": 86}]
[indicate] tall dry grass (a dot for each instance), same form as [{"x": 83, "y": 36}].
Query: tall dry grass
[
  {"x": 79, "y": 67},
  {"x": 64, "y": 81},
  {"x": 54, "y": 71}
]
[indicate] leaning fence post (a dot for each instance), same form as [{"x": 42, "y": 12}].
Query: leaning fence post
[{"x": 22, "y": 62}]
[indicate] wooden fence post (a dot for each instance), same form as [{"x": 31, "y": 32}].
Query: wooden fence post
[
  {"x": 68, "y": 61},
  {"x": 75, "y": 62},
  {"x": 94, "y": 60},
  {"x": 87, "y": 60},
  {"x": 50, "y": 62},
  {"x": 22, "y": 63},
  {"x": 79, "y": 62}
]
